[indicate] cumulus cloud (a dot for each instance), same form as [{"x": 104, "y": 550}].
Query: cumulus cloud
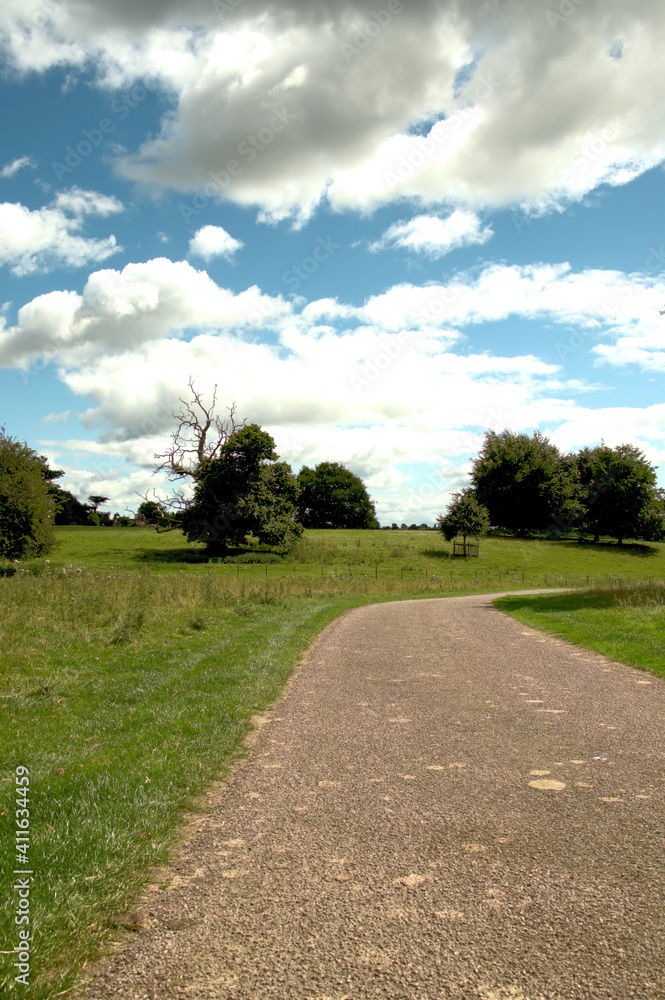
[
  {"x": 435, "y": 236},
  {"x": 46, "y": 238},
  {"x": 286, "y": 105},
  {"x": 120, "y": 310},
  {"x": 213, "y": 241},
  {"x": 382, "y": 386}
]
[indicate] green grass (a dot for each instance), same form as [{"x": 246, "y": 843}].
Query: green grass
[
  {"x": 129, "y": 678},
  {"x": 625, "y": 622},
  {"x": 403, "y": 555},
  {"x": 125, "y": 697}
]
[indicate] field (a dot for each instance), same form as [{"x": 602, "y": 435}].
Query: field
[
  {"x": 330, "y": 561},
  {"x": 132, "y": 667}
]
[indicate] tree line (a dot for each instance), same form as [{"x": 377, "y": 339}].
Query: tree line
[
  {"x": 525, "y": 485},
  {"x": 237, "y": 488}
]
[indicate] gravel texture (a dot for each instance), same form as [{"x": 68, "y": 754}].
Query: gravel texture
[{"x": 443, "y": 804}]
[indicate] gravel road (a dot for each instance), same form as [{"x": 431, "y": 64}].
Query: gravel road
[{"x": 444, "y": 804}]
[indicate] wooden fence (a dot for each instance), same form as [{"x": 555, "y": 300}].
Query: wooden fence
[{"x": 462, "y": 549}]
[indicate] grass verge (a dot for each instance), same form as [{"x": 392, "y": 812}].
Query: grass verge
[
  {"x": 625, "y": 622},
  {"x": 124, "y": 698}
]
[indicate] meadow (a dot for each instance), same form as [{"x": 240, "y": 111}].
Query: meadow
[{"x": 132, "y": 667}]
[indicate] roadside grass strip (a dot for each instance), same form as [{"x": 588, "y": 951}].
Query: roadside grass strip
[
  {"x": 625, "y": 622},
  {"x": 123, "y": 709}
]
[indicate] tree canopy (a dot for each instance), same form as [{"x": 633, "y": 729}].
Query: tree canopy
[
  {"x": 619, "y": 493},
  {"x": 528, "y": 485},
  {"x": 464, "y": 516},
  {"x": 27, "y": 505},
  {"x": 331, "y": 496},
  {"x": 243, "y": 491},
  {"x": 524, "y": 482},
  {"x": 239, "y": 487}
]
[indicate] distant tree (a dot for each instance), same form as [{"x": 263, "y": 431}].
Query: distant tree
[
  {"x": 651, "y": 523},
  {"x": 464, "y": 516},
  {"x": 150, "y": 512},
  {"x": 199, "y": 436},
  {"x": 524, "y": 482},
  {"x": 333, "y": 497},
  {"x": 27, "y": 505},
  {"x": 70, "y": 510},
  {"x": 96, "y": 501},
  {"x": 619, "y": 493},
  {"x": 243, "y": 491}
]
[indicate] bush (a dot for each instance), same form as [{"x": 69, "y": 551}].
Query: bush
[
  {"x": 26, "y": 505},
  {"x": 255, "y": 557}
]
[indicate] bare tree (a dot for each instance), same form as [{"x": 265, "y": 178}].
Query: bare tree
[
  {"x": 198, "y": 438},
  {"x": 191, "y": 444}
]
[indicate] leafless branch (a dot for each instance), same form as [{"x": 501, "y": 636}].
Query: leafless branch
[{"x": 191, "y": 443}]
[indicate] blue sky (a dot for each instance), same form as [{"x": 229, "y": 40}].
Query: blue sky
[{"x": 379, "y": 228}]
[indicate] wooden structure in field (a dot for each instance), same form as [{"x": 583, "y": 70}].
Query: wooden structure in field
[{"x": 462, "y": 549}]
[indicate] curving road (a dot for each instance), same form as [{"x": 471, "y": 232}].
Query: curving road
[{"x": 444, "y": 804}]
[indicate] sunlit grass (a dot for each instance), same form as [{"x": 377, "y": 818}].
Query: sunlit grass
[
  {"x": 132, "y": 666},
  {"x": 623, "y": 621}
]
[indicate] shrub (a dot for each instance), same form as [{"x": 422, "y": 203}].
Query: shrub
[{"x": 26, "y": 505}]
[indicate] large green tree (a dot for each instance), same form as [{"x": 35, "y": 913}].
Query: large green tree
[
  {"x": 525, "y": 483},
  {"x": 27, "y": 505},
  {"x": 333, "y": 497},
  {"x": 239, "y": 487},
  {"x": 464, "y": 516},
  {"x": 618, "y": 492},
  {"x": 243, "y": 491}
]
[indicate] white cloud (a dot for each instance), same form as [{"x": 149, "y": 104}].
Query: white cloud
[
  {"x": 213, "y": 241},
  {"x": 382, "y": 387},
  {"x": 48, "y": 237},
  {"x": 12, "y": 168},
  {"x": 283, "y": 106},
  {"x": 120, "y": 310},
  {"x": 435, "y": 236}
]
